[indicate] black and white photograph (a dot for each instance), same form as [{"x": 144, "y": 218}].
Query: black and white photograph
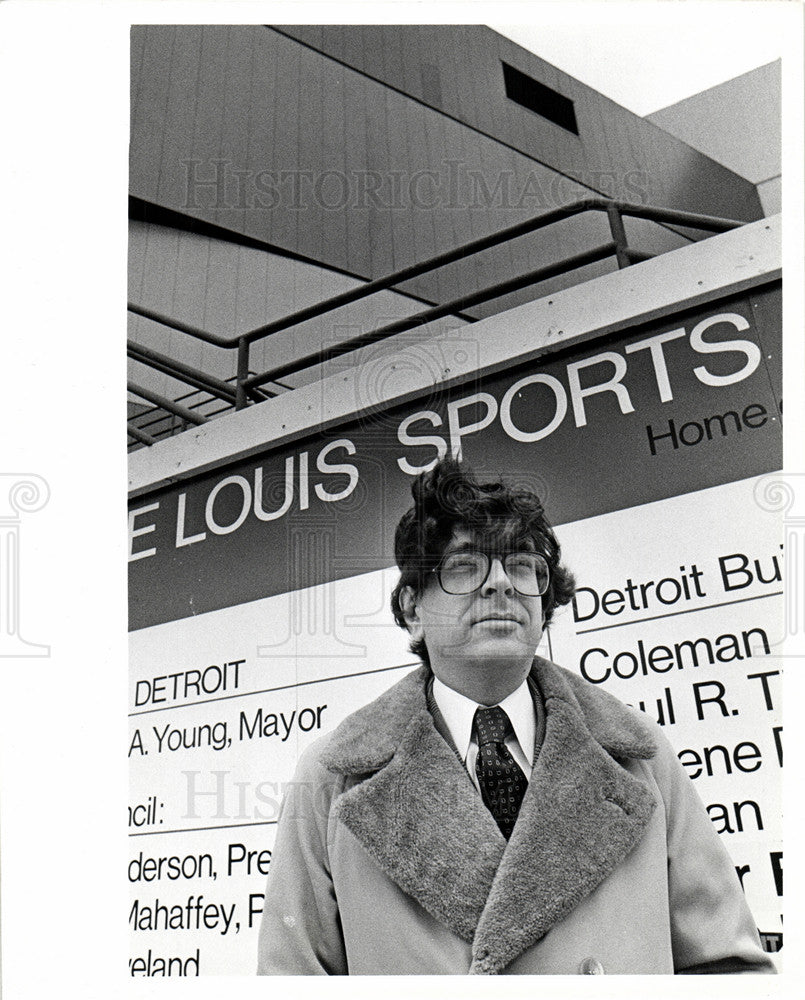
[
  {"x": 463, "y": 551},
  {"x": 403, "y": 297}
]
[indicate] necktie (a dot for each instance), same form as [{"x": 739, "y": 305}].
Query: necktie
[{"x": 502, "y": 781}]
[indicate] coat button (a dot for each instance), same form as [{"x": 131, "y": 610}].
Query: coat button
[{"x": 591, "y": 967}]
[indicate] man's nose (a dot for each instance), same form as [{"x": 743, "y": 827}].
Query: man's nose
[{"x": 497, "y": 579}]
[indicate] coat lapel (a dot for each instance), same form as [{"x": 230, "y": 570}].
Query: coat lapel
[
  {"x": 418, "y": 815},
  {"x": 416, "y": 812},
  {"x": 581, "y": 816},
  {"x": 423, "y": 822}
]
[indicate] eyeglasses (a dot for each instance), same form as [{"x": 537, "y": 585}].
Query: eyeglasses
[{"x": 465, "y": 571}]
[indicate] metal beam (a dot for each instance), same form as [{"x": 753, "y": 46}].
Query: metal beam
[
  {"x": 665, "y": 216},
  {"x": 438, "y": 312},
  {"x": 140, "y": 436},
  {"x": 167, "y": 404},
  {"x": 184, "y": 373}
]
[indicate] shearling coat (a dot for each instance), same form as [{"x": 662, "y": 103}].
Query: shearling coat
[{"x": 386, "y": 861}]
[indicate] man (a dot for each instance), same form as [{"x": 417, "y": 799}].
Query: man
[{"x": 492, "y": 812}]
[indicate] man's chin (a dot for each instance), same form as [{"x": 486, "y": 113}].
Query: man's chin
[{"x": 494, "y": 647}]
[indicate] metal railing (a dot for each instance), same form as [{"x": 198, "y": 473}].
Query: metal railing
[
  {"x": 164, "y": 419},
  {"x": 251, "y": 387}
]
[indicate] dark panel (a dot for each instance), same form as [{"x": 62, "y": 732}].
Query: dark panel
[
  {"x": 542, "y": 100},
  {"x": 357, "y": 219},
  {"x": 137, "y": 40},
  {"x": 350, "y": 44},
  {"x": 178, "y": 187},
  {"x": 262, "y": 200},
  {"x": 148, "y": 114},
  {"x": 333, "y": 195},
  {"x": 318, "y": 138},
  {"x": 284, "y": 152},
  {"x": 379, "y": 209},
  {"x": 237, "y": 121}
]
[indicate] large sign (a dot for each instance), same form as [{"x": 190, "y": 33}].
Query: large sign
[
  {"x": 259, "y": 601},
  {"x": 655, "y": 412}
]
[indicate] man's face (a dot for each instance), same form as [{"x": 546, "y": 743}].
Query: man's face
[{"x": 483, "y": 642}]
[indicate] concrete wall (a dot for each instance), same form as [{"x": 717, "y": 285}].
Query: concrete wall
[
  {"x": 737, "y": 124},
  {"x": 457, "y": 70},
  {"x": 354, "y": 171}
]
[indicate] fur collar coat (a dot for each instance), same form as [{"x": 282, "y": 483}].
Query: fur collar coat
[{"x": 386, "y": 861}]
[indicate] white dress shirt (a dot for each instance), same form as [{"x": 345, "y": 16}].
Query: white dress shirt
[{"x": 458, "y": 713}]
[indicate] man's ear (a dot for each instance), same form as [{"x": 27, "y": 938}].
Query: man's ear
[{"x": 410, "y": 613}]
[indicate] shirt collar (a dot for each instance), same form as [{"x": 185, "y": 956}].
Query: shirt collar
[{"x": 458, "y": 712}]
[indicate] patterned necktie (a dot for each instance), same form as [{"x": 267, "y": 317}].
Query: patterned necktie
[{"x": 502, "y": 781}]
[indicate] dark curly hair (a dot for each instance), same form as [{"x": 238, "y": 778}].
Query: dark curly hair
[{"x": 449, "y": 497}]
